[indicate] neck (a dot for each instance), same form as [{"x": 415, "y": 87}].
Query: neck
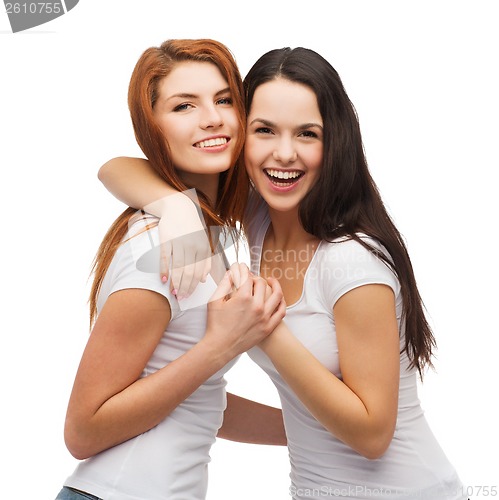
[
  {"x": 286, "y": 230},
  {"x": 207, "y": 183}
]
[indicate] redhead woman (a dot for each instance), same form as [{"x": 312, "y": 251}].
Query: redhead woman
[{"x": 149, "y": 394}]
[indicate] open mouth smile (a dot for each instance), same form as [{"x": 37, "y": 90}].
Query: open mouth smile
[
  {"x": 283, "y": 178},
  {"x": 209, "y": 143}
]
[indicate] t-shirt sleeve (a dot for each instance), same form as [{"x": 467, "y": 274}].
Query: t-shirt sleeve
[
  {"x": 348, "y": 265},
  {"x": 136, "y": 264}
]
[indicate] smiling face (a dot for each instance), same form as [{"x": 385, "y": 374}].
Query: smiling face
[
  {"x": 284, "y": 142},
  {"x": 195, "y": 113}
]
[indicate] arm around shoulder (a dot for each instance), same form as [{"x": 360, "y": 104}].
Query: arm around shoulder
[{"x": 134, "y": 182}]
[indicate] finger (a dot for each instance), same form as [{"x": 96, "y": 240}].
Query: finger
[
  {"x": 274, "y": 284},
  {"x": 207, "y": 269},
  {"x": 259, "y": 288},
  {"x": 187, "y": 275},
  {"x": 276, "y": 297},
  {"x": 240, "y": 273},
  {"x": 224, "y": 288},
  {"x": 235, "y": 273},
  {"x": 165, "y": 253},
  {"x": 177, "y": 266},
  {"x": 277, "y": 316},
  {"x": 196, "y": 275},
  {"x": 245, "y": 288},
  {"x": 244, "y": 272}
]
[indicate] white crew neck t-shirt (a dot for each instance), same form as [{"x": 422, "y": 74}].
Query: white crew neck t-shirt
[
  {"x": 414, "y": 466},
  {"x": 170, "y": 461}
]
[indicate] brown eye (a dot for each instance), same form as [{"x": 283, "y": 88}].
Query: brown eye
[
  {"x": 263, "y": 130},
  {"x": 309, "y": 133}
]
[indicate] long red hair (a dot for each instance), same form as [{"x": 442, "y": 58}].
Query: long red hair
[{"x": 155, "y": 64}]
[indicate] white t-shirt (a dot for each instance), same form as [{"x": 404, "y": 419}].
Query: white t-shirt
[
  {"x": 170, "y": 461},
  {"x": 414, "y": 466}
]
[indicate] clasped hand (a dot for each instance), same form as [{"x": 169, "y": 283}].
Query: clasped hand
[{"x": 244, "y": 310}]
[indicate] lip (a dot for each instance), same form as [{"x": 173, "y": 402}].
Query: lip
[
  {"x": 283, "y": 189},
  {"x": 213, "y": 149}
]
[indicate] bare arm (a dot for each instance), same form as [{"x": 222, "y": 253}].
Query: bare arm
[
  {"x": 135, "y": 183},
  {"x": 361, "y": 409},
  {"x": 247, "y": 421},
  {"x": 109, "y": 404}
]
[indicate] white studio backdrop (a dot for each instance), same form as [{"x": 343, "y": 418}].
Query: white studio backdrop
[{"x": 423, "y": 77}]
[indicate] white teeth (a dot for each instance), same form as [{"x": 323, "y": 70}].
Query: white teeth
[
  {"x": 219, "y": 141},
  {"x": 279, "y": 174}
]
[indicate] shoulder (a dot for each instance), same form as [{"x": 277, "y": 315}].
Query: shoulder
[
  {"x": 136, "y": 263},
  {"x": 347, "y": 263},
  {"x": 347, "y": 250}
]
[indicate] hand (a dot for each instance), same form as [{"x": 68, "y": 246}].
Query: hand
[
  {"x": 240, "y": 317},
  {"x": 239, "y": 274},
  {"x": 184, "y": 241}
]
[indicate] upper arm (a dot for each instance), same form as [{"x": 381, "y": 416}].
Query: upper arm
[
  {"x": 122, "y": 340},
  {"x": 369, "y": 348},
  {"x": 115, "y": 167},
  {"x": 134, "y": 182}
]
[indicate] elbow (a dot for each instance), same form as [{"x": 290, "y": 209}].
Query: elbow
[
  {"x": 373, "y": 452},
  {"x": 376, "y": 446},
  {"x": 77, "y": 442},
  {"x": 107, "y": 170},
  {"x": 103, "y": 172},
  {"x": 76, "y": 449}
]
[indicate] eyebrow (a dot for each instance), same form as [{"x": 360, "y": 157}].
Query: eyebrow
[
  {"x": 186, "y": 95},
  {"x": 303, "y": 126}
]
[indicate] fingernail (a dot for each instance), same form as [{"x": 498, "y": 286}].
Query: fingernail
[
  {"x": 164, "y": 279},
  {"x": 174, "y": 291}
]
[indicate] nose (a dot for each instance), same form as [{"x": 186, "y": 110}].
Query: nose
[
  {"x": 211, "y": 117},
  {"x": 285, "y": 152}
]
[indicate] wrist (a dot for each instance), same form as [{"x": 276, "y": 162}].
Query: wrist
[
  {"x": 179, "y": 206},
  {"x": 217, "y": 354},
  {"x": 272, "y": 342}
]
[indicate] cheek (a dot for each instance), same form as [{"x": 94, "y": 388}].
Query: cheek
[
  {"x": 255, "y": 151},
  {"x": 249, "y": 153},
  {"x": 177, "y": 136},
  {"x": 176, "y": 146},
  {"x": 231, "y": 119},
  {"x": 315, "y": 160}
]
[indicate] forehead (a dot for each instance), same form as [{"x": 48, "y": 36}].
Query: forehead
[
  {"x": 192, "y": 77},
  {"x": 282, "y": 97}
]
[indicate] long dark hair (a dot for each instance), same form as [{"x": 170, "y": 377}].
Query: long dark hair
[{"x": 345, "y": 200}]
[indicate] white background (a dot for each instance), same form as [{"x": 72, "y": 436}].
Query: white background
[{"x": 423, "y": 77}]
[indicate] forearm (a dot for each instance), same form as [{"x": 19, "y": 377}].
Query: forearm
[
  {"x": 247, "y": 421},
  {"x": 143, "y": 404},
  {"x": 134, "y": 182},
  {"x": 329, "y": 399}
]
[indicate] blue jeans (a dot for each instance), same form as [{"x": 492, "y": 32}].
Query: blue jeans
[{"x": 71, "y": 494}]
